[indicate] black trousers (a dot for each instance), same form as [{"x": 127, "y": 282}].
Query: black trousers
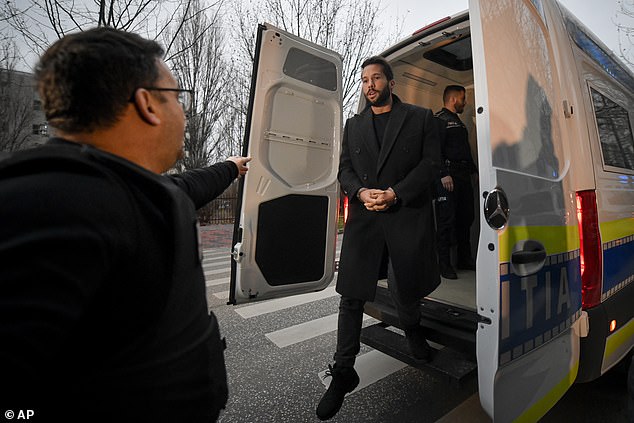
[
  {"x": 454, "y": 216},
  {"x": 351, "y": 319}
]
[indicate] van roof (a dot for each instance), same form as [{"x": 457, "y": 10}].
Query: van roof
[{"x": 428, "y": 29}]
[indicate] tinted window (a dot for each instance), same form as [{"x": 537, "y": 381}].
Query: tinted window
[
  {"x": 615, "y": 132},
  {"x": 603, "y": 59},
  {"x": 311, "y": 69}
]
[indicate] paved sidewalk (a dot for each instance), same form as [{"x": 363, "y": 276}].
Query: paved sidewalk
[{"x": 216, "y": 236}]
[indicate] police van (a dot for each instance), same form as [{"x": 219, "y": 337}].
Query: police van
[{"x": 548, "y": 112}]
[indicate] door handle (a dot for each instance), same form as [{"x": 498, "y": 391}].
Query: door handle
[{"x": 528, "y": 256}]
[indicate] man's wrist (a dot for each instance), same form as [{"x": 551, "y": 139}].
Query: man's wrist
[
  {"x": 359, "y": 193},
  {"x": 395, "y": 200}
]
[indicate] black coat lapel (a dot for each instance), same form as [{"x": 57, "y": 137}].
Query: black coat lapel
[{"x": 394, "y": 124}]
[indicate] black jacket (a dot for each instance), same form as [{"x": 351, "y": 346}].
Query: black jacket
[
  {"x": 103, "y": 311},
  {"x": 454, "y": 142},
  {"x": 408, "y": 162}
]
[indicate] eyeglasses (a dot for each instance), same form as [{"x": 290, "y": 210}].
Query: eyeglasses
[{"x": 184, "y": 96}]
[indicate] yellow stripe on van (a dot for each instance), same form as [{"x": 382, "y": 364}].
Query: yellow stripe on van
[
  {"x": 556, "y": 239},
  {"x": 616, "y": 229},
  {"x": 541, "y": 407},
  {"x": 617, "y": 340}
]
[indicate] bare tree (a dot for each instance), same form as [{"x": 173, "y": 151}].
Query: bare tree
[
  {"x": 39, "y": 22},
  {"x": 198, "y": 61},
  {"x": 346, "y": 26},
  {"x": 16, "y": 101},
  {"x": 625, "y": 28}
]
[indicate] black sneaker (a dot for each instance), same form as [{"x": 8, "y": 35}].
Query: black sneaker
[
  {"x": 344, "y": 380},
  {"x": 418, "y": 345},
  {"x": 447, "y": 272}
]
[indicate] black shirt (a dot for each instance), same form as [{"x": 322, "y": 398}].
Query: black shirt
[{"x": 380, "y": 123}]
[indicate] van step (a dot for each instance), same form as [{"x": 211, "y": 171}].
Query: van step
[
  {"x": 445, "y": 325},
  {"x": 446, "y": 361}
]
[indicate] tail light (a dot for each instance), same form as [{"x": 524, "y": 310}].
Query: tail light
[
  {"x": 591, "y": 254},
  {"x": 345, "y": 209}
]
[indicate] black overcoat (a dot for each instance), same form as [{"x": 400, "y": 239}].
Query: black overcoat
[{"x": 407, "y": 161}]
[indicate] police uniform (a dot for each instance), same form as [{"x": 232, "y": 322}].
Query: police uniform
[{"x": 455, "y": 209}]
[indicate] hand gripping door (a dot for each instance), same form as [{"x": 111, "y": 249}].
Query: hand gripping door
[
  {"x": 285, "y": 233},
  {"x": 528, "y": 281}
]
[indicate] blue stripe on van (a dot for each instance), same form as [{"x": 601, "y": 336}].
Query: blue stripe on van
[
  {"x": 618, "y": 265},
  {"x": 537, "y": 308}
]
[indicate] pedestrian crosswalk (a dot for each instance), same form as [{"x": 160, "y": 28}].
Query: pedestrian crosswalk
[
  {"x": 371, "y": 366},
  {"x": 304, "y": 331},
  {"x": 270, "y": 306}
]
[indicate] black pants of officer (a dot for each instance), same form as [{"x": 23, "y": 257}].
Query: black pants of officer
[
  {"x": 454, "y": 216},
  {"x": 351, "y": 319}
]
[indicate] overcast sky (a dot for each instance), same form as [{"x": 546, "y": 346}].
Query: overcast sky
[{"x": 598, "y": 15}]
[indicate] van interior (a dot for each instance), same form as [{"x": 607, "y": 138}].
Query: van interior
[{"x": 422, "y": 68}]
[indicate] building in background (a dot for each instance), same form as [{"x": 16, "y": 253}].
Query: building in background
[{"x": 22, "y": 121}]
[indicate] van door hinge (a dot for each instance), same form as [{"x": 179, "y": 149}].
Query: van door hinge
[{"x": 237, "y": 253}]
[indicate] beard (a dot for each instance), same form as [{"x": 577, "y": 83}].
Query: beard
[{"x": 382, "y": 99}]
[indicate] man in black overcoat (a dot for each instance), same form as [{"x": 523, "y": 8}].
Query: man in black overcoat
[{"x": 389, "y": 161}]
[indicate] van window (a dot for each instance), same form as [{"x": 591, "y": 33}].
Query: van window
[
  {"x": 311, "y": 69},
  {"x": 597, "y": 54},
  {"x": 615, "y": 132}
]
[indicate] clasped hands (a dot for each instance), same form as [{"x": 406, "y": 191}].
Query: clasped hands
[{"x": 377, "y": 199}]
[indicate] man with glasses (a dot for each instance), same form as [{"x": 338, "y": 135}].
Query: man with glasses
[{"x": 103, "y": 313}]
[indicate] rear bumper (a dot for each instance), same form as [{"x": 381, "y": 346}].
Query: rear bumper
[{"x": 593, "y": 347}]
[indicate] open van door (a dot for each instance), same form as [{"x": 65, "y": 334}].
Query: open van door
[
  {"x": 528, "y": 270},
  {"x": 285, "y": 234}
]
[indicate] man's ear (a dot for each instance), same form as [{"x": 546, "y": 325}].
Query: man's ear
[
  {"x": 146, "y": 106},
  {"x": 392, "y": 83}
]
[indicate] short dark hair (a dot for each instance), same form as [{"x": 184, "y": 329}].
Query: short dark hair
[
  {"x": 378, "y": 60},
  {"x": 86, "y": 79},
  {"x": 450, "y": 89}
]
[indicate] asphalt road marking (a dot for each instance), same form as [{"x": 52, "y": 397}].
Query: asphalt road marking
[
  {"x": 271, "y": 306},
  {"x": 216, "y": 282},
  {"x": 220, "y": 261},
  {"x": 371, "y": 367},
  {"x": 219, "y": 271},
  {"x": 305, "y": 331},
  {"x": 223, "y": 295}
]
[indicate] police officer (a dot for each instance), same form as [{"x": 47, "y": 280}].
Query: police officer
[{"x": 454, "y": 200}]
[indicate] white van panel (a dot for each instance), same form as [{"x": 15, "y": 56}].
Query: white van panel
[
  {"x": 284, "y": 238},
  {"x": 534, "y": 307}
]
